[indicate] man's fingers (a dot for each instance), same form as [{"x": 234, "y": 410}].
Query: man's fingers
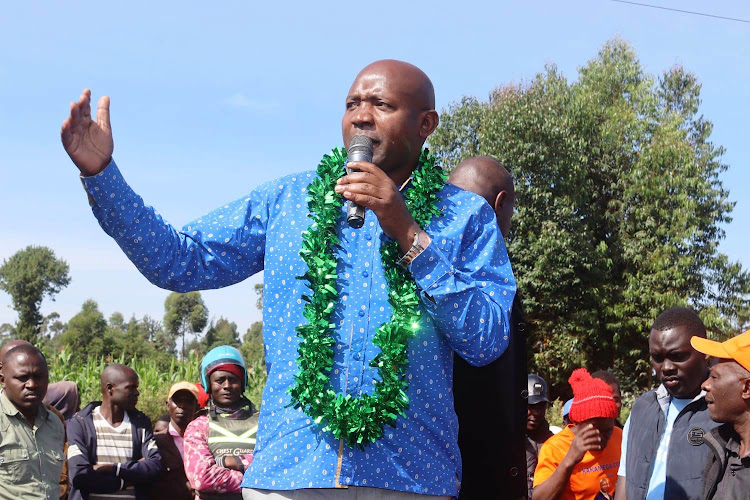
[
  {"x": 358, "y": 176},
  {"x": 364, "y": 166},
  {"x": 363, "y": 200},
  {"x": 84, "y": 103},
  {"x": 102, "y": 113},
  {"x": 359, "y": 188}
]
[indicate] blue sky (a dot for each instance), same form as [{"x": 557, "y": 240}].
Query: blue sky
[{"x": 209, "y": 102}]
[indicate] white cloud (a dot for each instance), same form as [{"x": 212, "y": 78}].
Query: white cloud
[{"x": 241, "y": 101}]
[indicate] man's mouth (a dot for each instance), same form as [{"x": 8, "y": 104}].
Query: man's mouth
[{"x": 671, "y": 381}]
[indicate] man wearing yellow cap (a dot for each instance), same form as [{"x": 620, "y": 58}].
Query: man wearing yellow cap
[
  {"x": 182, "y": 404},
  {"x": 727, "y": 473}
]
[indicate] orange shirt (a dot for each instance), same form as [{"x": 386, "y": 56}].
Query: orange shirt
[{"x": 591, "y": 475}]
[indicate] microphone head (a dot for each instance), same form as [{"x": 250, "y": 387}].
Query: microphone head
[{"x": 360, "y": 149}]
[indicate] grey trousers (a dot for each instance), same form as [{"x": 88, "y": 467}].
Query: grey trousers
[{"x": 350, "y": 493}]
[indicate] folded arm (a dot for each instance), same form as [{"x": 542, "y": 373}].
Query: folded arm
[{"x": 467, "y": 287}]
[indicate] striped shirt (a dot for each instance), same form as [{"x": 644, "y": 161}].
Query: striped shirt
[{"x": 114, "y": 445}]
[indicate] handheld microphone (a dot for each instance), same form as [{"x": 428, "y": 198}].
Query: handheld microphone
[{"x": 360, "y": 149}]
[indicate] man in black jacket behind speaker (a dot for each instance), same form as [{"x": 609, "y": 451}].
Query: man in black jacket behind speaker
[{"x": 490, "y": 400}]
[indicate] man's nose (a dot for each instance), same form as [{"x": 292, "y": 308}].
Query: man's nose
[
  {"x": 363, "y": 115},
  {"x": 668, "y": 366}
]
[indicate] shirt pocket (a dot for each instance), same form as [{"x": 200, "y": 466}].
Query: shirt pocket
[
  {"x": 14, "y": 465},
  {"x": 52, "y": 465}
]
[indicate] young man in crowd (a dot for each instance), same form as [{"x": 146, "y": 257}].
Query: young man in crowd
[
  {"x": 727, "y": 474},
  {"x": 63, "y": 482},
  {"x": 32, "y": 438},
  {"x": 182, "y": 404},
  {"x": 537, "y": 427},
  {"x": 492, "y": 396},
  {"x": 112, "y": 452},
  {"x": 581, "y": 460},
  {"x": 610, "y": 379},
  {"x": 661, "y": 453}
]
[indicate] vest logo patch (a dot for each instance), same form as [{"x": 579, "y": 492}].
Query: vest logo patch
[{"x": 695, "y": 436}]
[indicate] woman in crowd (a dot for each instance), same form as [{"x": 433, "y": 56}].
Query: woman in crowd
[{"x": 219, "y": 445}]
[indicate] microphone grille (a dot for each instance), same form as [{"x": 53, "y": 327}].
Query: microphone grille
[
  {"x": 360, "y": 141},
  {"x": 360, "y": 148}
]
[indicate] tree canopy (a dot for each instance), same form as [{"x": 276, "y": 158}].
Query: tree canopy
[
  {"x": 28, "y": 276},
  {"x": 184, "y": 313},
  {"x": 619, "y": 207}
]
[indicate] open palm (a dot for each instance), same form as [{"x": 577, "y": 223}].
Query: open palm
[{"x": 88, "y": 143}]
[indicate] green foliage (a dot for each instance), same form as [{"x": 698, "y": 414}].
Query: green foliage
[
  {"x": 223, "y": 332},
  {"x": 87, "y": 333},
  {"x": 28, "y": 276},
  {"x": 252, "y": 344},
  {"x": 184, "y": 313},
  {"x": 619, "y": 208}
]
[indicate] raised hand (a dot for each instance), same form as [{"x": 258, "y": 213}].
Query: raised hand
[{"x": 88, "y": 143}]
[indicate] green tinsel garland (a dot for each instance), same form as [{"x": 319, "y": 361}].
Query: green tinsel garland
[{"x": 357, "y": 420}]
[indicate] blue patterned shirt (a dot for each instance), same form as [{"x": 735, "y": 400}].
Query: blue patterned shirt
[{"x": 466, "y": 288}]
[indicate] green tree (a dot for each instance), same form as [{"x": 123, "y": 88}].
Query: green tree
[
  {"x": 184, "y": 313},
  {"x": 87, "y": 333},
  {"x": 619, "y": 207},
  {"x": 223, "y": 332},
  {"x": 252, "y": 342},
  {"x": 28, "y": 276}
]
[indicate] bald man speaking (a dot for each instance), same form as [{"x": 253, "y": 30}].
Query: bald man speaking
[{"x": 360, "y": 349}]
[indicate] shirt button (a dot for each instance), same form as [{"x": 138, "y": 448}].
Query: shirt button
[
  {"x": 365, "y": 274},
  {"x": 357, "y": 355},
  {"x": 368, "y": 237},
  {"x": 361, "y": 313}
]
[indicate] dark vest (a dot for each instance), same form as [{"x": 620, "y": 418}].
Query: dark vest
[
  {"x": 230, "y": 437},
  {"x": 686, "y": 458},
  {"x": 490, "y": 403}
]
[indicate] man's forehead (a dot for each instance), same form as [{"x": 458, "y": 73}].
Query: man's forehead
[
  {"x": 24, "y": 362},
  {"x": 670, "y": 339},
  {"x": 375, "y": 83},
  {"x": 396, "y": 78}
]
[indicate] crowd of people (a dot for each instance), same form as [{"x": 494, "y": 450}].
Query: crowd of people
[
  {"x": 395, "y": 348},
  {"x": 51, "y": 448},
  {"x": 687, "y": 439}
]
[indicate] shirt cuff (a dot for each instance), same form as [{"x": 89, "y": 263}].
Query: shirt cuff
[
  {"x": 107, "y": 188},
  {"x": 117, "y": 470},
  {"x": 430, "y": 267}
]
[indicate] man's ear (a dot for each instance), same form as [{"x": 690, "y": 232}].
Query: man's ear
[
  {"x": 500, "y": 200},
  {"x": 2, "y": 378},
  {"x": 428, "y": 123},
  {"x": 745, "y": 389}
]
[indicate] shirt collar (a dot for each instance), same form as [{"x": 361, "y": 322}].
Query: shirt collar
[
  {"x": 172, "y": 431},
  {"x": 10, "y": 409}
]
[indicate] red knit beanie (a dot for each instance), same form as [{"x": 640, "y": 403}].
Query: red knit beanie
[{"x": 592, "y": 397}]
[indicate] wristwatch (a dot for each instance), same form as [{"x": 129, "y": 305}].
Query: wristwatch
[{"x": 414, "y": 251}]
